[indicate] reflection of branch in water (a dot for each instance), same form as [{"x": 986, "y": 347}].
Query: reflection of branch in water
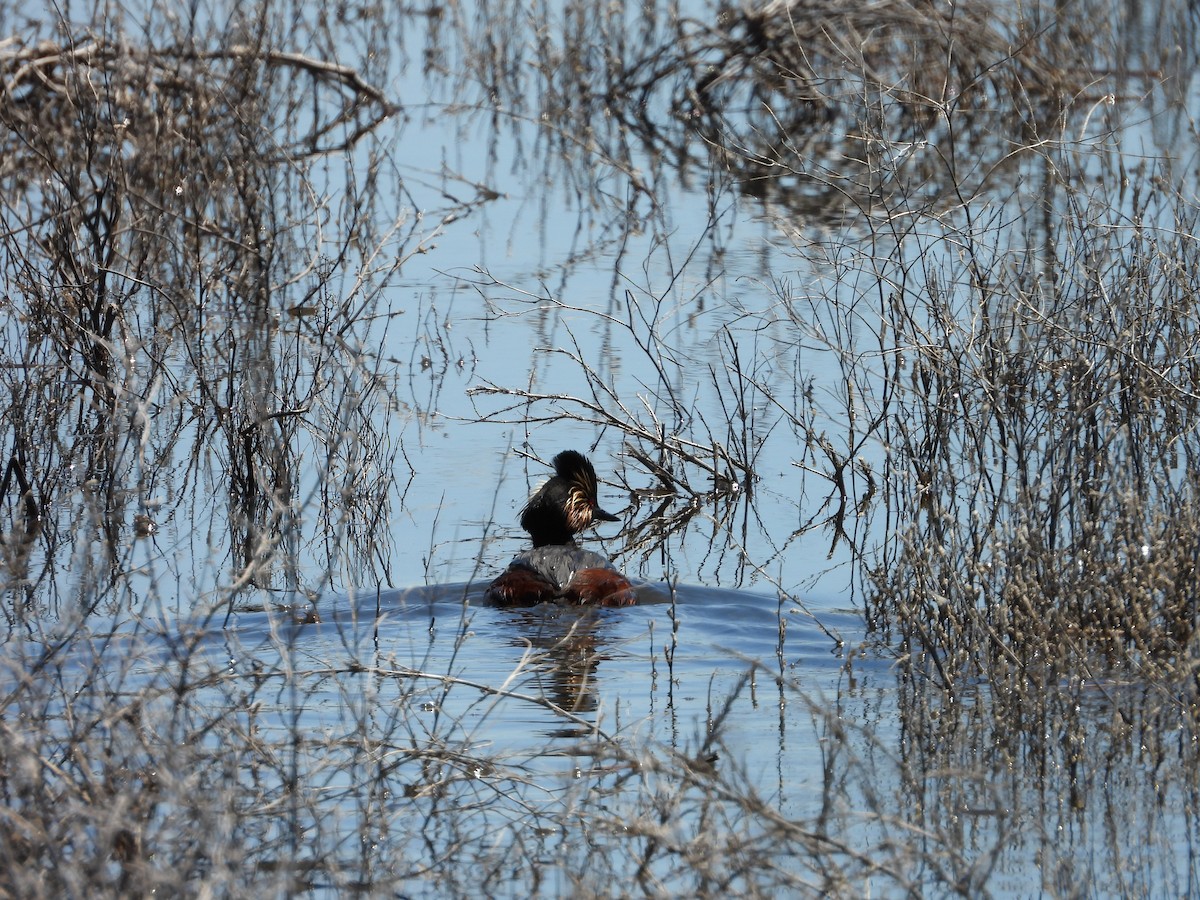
[
  {"x": 815, "y": 107},
  {"x": 33, "y": 79}
]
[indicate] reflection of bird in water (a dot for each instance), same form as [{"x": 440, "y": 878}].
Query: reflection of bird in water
[
  {"x": 556, "y": 568},
  {"x": 567, "y": 652}
]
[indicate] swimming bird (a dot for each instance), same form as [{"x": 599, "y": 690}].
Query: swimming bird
[{"x": 556, "y": 568}]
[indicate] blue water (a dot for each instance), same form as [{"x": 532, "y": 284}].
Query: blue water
[
  {"x": 529, "y": 704},
  {"x": 569, "y": 671},
  {"x": 713, "y": 320}
]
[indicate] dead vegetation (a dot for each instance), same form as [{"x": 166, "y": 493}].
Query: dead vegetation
[
  {"x": 174, "y": 297},
  {"x": 198, "y": 236}
]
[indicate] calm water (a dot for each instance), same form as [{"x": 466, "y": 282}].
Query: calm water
[
  {"x": 662, "y": 664},
  {"x": 755, "y": 685},
  {"x": 750, "y": 653}
]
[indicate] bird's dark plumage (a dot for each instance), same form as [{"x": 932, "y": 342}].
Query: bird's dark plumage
[{"x": 556, "y": 568}]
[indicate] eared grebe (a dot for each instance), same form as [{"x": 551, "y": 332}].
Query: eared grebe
[{"x": 558, "y": 569}]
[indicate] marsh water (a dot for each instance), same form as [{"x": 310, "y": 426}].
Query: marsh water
[{"x": 879, "y": 325}]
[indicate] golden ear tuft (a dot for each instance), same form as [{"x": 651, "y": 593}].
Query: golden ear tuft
[
  {"x": 578, "y": 509},
  {"x": 572, "y": 466}
]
